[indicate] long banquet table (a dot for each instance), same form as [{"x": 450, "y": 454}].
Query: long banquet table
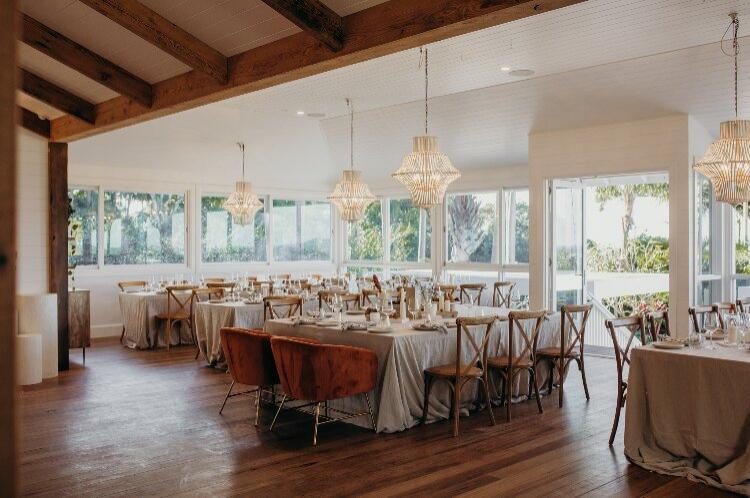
[
  {"x": 688, "y": 414},
  {"x": 403, "y": 356},
  {"x": 139, "y": 311}
]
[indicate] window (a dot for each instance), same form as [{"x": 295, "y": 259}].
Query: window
[
  {"x": 516, "y": 226},
  {"x": 143, "y": 228},
  {"x": 83, "y": 226},
  {"x": 410, "y": 232},
  {"x": 471, "y": 225},
  {"x": 301, "y": 230},
  {"x": 741, "y": 220},
  {"x": 365, "y": 237},
  {"x": 708, "y": 274},
  {"x": 224, "y": 241}
]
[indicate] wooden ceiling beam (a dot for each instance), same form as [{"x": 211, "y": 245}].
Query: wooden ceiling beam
[
  {"x": 64, "y": 50},
  {"x": 159, "y": 31},
  {"x": 57, "y": 97},
  {"x": 33, "y": 123},
  {"x": 384, "y": 29},
  {"x": 313, "y": 17}
]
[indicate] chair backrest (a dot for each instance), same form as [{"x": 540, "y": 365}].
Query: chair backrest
[
  {"x": 576, "y": 333},
  {"x": 743, "y": 305},
  {"x": 658, "y": 322},
  {"x": 722, "y": 308},
  {"x": 222, "y": 287},
  {"x": 131, "y": 284},
  {"x": 635, "y": 327},
  {"x": 249, "y": 356},
  {"x": 202, "y": 295},
  {"x": 502, "y": 293},
  {"x": 180, "y": 299},
  {"x": 529, "y": 337},
  {"x": 272, "y": 304},
  {"x": 325, "y": 296},
  {"x": 698, "y": 316},
  {"x": 283, "y": 276},
  {"x": 478, "y": 350},
  {"x": 449, "y": 291},
  {"x": 213, "y": 280},
  {"x": 318, "y": 372},
  {"x": 369, "y": 297},
  {"x": 465, "y": 289}
]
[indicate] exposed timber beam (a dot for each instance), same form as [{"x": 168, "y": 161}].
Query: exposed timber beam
[
  {"x": 57, "y": 97},
  {"x": 33, "y": 123},
  {"x": 384, "y": 29},
  {"x": 64, "y": 50},
  {"x": 159, "y": 31},
  {"x": 313, "y": 17}
]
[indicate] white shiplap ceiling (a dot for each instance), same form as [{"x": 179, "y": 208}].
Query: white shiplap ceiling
[{"x": 598, "y": 62}]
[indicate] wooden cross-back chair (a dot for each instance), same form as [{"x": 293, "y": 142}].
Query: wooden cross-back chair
[
  {"x": 635, "y": 328},
  {"x": 459, "y": 373},
  {"x": 349, "y": 301},
  {"x": 449, "y": 291},
  {"x": 698, "y": 316},
  {"x": 179, "y": 307},
  {"x": 722, "y": 308},
  {"x": 658, "y": 322},
  {"x": 334, "y": 282},
  {"x": 369, "y": 297},
  {"x": 502, "y": 292},
  {"x": 132, "y": 284},
  {"x": 202, "y": 295},
  {"x": 291, "y": 305},
  {"x": 572, "y": 342},
  {"x": 512, "y": 364},
  {"x": 213, "y": 280},
  {"x": 466, "y": 289},
  {"x": 743, "y": 305},
  {"x": 221, "y": 287}
]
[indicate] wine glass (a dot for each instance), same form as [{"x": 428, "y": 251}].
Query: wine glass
[{"x": 712, "y": 327}]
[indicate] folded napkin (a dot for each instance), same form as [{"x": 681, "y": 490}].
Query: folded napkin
[{"x": 357, "y": 325}]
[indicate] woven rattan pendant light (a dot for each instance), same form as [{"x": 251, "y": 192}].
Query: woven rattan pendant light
[
  {"x": 426, "y": 171},
  {"x": 727, "y": 162},
  {"x": 242, "y": 204},
  {"x": 351, "y": 195}
]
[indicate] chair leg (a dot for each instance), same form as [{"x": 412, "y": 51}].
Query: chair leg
[
  {"x": 226, "y": 397},
  {"x": 315, "y": 427},
  {"x": 84, "y": 355},
  {"x": 582, "y": 368},
  {"x": 561, "y": 382},
  {"x": 456, "y": 407},
  {"x": 508, "y": 395},
  {"x": 369, "y": 410},
  {"x": 281, "y": 405},
  {"x": 122, "y": 335},
  {"x": 427, "y": 388},
  {"x": 617, "y": 415},
  {"x": 257, "y": 405},
  {"x": 536, "y": 390},
  {"x": 487, "y": 398}
]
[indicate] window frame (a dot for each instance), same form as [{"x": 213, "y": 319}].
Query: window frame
[
  {"x": 99, "y": 224},
  {"x": 294, "y": 264}
]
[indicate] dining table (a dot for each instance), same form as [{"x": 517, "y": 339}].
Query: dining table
[
  {"x": 403, "y": 355},
  {"x": 688, "y": 413},
  {"x": 142, "y": 328}
]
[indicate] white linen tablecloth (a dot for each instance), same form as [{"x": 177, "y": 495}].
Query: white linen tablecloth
[
  {"x": 138, "y": 311},
  {"x": 688, "y": 414},
  {"x": 403, "y": 355}
]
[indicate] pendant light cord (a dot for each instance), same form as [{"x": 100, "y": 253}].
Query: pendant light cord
[
  {"x": 351, "y": 133},
  {"x": 735, "y": 26},
  {"x": 424, "y": 59},
  {"x": 242, "y": 149}
]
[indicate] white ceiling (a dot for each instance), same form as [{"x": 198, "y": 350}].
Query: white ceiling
[{"x": 598, "y": 62}]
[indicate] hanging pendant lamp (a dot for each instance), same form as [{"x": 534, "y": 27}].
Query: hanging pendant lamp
[
  {"x": 242, "y": 204},
  {"x": 726, "y": 164},
  {"x": 351, "y": 195},
  {"x": 426, "y": 171}
]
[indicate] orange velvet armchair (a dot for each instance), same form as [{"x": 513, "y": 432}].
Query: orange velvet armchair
[{"x": 322, "y": 372}]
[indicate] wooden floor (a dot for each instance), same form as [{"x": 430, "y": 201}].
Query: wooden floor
[{"x": 136, "y": 423}]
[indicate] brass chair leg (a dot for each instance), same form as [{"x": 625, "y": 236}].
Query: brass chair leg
[
  {"x": 281, "y": 405},
  {"x": 315, "y": 427},
  {"x": 257, "y": 404},
  {"x": 369, "y": 410},
  {"x": 226, "y": 398}
]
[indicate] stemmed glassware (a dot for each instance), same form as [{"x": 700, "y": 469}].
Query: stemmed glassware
[{"x": 712, "y": 328}]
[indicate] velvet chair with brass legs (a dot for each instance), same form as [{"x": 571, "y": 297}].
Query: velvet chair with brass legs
[
  {"x": 459, "y": 373},
  {"x": 250, "y": 362},
  {"x": 512, "y": 364},
  {"x": 572, "y": 342},
  {"x": 319, "y": 373}
]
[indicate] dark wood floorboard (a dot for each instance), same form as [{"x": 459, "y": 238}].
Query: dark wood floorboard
[{"x": 138, "y": 423}]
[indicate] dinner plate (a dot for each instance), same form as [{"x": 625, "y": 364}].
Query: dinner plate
[
  {"x": 327, "y": 323},
  {"x": 380, "y": 330},
  {"x": 668, "y": 345},
  {"x": 355, "y": 312},
  {"x": 425, "y": 327}
]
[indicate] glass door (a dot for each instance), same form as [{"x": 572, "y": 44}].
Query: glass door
[{"x": 567, "y": 260}]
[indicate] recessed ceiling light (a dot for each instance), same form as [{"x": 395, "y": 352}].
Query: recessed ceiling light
[
  {"x": 505, "y": 69},
  {"x": 521, "y": 73},
  {"x": 300, "y": 113}
]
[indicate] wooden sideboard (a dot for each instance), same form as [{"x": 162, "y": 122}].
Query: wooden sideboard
[{"x": 79, "y": 319}]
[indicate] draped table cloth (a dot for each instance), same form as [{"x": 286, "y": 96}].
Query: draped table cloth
[
  {"x": 688, "y": 414},
  {"x": 404, "y": 354},
  {"x": 139, "y": 311},
  {"x": 211, "y": 317}
]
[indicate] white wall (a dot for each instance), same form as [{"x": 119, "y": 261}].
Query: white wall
[
  {"x": 662, "y": 144},
  {"x": 32, "y": 214}
]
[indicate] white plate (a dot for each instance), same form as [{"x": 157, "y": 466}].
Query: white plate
[
  {"x": 380, "y": 330},
  {"x": 355, "y": 312},
  {"x": 668, "y": 345}
]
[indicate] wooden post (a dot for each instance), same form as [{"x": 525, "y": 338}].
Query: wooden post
[
  {"x": 58, "y": 243},
  {"x": 8, "y": 117}
]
